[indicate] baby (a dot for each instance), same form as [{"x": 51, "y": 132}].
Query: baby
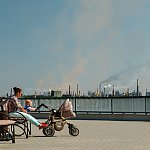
[{"x": 28, "y": 106}]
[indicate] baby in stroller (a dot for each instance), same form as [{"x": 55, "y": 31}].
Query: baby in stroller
[
  {"x": 28, "y": 106},
  {"x": 57, "y": 118}
]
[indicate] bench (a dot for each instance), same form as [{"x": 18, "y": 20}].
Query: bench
[
  {"x": 7, "y": 134},
  {"x": 23, "y": 126}
]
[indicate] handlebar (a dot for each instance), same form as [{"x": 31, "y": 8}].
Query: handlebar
[{"x": 43, "y": 106}]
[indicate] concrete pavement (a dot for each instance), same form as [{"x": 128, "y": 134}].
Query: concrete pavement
[{"x": 94, "y": 135}]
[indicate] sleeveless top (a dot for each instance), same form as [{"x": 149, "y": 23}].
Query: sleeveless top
[{"x": 13, "y": 104}]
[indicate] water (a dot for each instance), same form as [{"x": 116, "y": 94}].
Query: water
[{"x": 123, "y": 104}]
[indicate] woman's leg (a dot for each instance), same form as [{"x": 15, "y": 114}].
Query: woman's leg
[{"x": 27, "y": 116}]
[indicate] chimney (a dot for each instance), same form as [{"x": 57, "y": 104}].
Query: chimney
[
  {"x": 113, "y": 92},
  {"x": 100, "y": 90},
  {"x": 77, "y": 90},
  {"x": 137, "y": 88},
  {"x": 69, "y": 89}
]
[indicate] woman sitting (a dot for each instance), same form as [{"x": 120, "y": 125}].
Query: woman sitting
[{"x": 16, "y": 110}]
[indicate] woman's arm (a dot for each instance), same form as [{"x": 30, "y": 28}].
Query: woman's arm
[
  {"x": 32, "y": 109},
  {"x": 20, "y": 107}
]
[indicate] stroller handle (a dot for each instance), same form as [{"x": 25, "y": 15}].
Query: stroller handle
[{"x": 43, "y": 106}]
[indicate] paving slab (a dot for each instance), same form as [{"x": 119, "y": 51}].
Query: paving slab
[{"x": 94, "y": 135}]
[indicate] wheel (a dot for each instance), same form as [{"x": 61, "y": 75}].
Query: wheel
[
  {"x": 74, "y": 131},
  {"x": 48, "y": 131}
]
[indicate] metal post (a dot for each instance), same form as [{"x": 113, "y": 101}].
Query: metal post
[
  {"x": 111, "y": 105},
  {"x": 145, "y": 106},
  {"x": 39, "y": 103}
]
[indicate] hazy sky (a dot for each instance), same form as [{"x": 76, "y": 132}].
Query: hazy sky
[{"x": 49, "y": 44}]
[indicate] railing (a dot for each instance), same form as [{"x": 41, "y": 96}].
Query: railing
[{"x": 98, "y": 105}]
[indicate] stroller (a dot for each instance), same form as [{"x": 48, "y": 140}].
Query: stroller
[{"x": 58, "y": 118}]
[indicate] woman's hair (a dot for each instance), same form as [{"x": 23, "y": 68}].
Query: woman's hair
[{"x": 16, "y": 90}]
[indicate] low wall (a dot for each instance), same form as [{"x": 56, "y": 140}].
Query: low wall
[{"x": 115, "y": 117}]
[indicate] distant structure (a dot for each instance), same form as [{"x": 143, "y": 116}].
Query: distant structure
[
  {"x": 55, "y": 93},
  {"x": 100, "y": 89},
  {"x": 69, "y": 89},
  {"x": 107, "y": 91},
  {"x": 77, "y": 90},
  {"x": 137, "y": 88}
]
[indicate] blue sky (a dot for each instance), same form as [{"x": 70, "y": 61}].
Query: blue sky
[{"x": 49, "y": 44}]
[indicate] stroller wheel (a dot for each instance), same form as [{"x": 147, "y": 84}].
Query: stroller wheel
[
  {"x": 74, "y": 131},
  {"x": 49, "y": 131}
]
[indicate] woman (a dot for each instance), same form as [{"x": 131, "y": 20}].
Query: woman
[{"x": 14, "y": 107}]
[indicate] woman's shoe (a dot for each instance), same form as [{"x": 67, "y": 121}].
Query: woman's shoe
[{"x": 43, "y": 125}]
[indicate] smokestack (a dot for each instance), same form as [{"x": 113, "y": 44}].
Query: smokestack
[
  {"x": 100, "y": 90},
  {"x": 77, "y": 90},
  {"x": 69, "y": 89},
  {"x": 137, "y": 88},
  {"x": 113, "y": 92},
  {"x": 127, "y": 91},
  {"x": 104, "y": 91}
]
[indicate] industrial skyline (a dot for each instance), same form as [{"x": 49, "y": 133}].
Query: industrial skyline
[{"x": 50, "y": 44}]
